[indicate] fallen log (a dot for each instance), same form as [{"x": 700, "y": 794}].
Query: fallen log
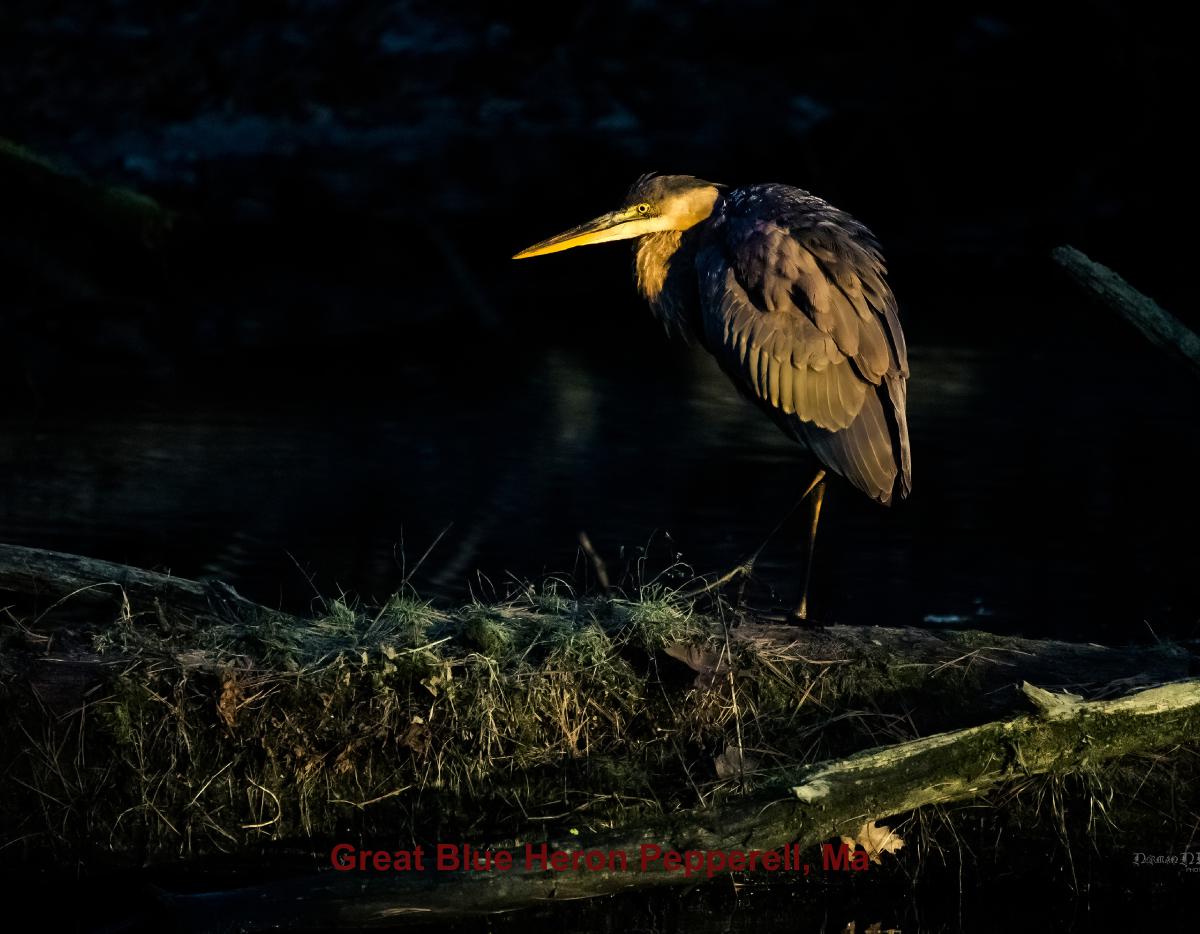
[
  {"x": 58, "y": 576},
  {"x": 997, "y": 663},
  {"x": 829, "y": 800},
  {"x": 241, "y": 733}
]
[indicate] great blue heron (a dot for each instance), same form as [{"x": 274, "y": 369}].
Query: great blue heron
[{"x": 788, "y": 293}]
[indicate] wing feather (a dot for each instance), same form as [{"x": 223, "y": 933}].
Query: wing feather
[{"x": 795, "y": 306}]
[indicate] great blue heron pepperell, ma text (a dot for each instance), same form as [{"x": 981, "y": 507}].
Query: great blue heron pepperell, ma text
[{"x": 788, "y": 293}]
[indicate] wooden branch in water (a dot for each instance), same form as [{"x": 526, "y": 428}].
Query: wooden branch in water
[
  {"x": 823, "y": 802},
  {"x": 1158, "y": 325},
  {"x": 598, "y": 564},
  {"x": 74, "y": 200}
]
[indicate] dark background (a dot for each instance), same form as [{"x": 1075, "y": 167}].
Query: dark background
[{"x": 329, "y": 360}]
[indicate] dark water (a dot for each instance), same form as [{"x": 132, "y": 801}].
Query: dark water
[
  {"x": 1021, "y": 890},
  {"x": 1054, "y": 466}
]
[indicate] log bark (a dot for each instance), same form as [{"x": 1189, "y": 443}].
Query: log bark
[
  {"x": 59, "y": 577},
  {"x": 1158, "y": 325},
  {"x": 998, "y": 663},
  {"x": 822, "y": 802}
]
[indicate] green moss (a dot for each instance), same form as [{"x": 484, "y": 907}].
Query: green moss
[
  {"x": 488, "y": 633},
  {"x": 405, "y": 621},
  {"x": 407, "y": 719}
]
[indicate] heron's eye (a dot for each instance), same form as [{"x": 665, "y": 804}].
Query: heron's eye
[{"x": 643, "y": 208}]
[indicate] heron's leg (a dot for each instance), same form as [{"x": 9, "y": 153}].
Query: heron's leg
[
  {"x": 746, "y": 568},
  {"x": 817, "y": 484},
  {"x": 801, "y": 612}
]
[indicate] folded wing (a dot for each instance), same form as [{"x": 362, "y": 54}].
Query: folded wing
[{"x": 796, "y": 308}]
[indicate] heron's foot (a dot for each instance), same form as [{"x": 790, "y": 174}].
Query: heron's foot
[
  {"x": 801, "y": 617},
  {"x": 801, "y": 612}
]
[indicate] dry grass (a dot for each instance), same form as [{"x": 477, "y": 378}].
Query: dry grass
[{"x": 408, "y": 719}]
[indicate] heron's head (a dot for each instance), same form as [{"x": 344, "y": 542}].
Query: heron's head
[{"x": 655, "y": 203}]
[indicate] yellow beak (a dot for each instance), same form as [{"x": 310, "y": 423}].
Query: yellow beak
[{"x": 613, "y": 226}]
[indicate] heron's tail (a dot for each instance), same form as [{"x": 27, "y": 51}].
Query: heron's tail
[
  {"x": 873, "y": 451},
  {"x": 898, "y": 393}
]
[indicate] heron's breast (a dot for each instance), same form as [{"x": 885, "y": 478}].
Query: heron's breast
[
  {"x": 666, "y": 278},
  {"x": 653, "y": 262}
]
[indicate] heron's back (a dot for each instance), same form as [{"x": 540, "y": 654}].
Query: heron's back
[{"x": 790, "y": 296}]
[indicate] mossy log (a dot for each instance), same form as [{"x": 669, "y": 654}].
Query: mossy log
[
  {"x": 56, "y": 576},
  {"x": 827, "y": 800},
  {"x": 164, "y": 726}
]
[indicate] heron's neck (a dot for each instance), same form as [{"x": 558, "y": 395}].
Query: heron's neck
[
  {"x": 664, "y": 266},
  {"x": 655, "y": 253},
  {"x": 665, "y": 263}
]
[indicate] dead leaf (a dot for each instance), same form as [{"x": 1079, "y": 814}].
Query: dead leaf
[
  {"x": 231, "y": 698},
  {"x": 875, "y": 839},
  {"x": 345, "y": 760},
  {"x": 733, "y": 763},
  {"x": 436, "y": 683},
  {"x": 417, "y": 737},
  {"x": 707, "y": 664}
]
